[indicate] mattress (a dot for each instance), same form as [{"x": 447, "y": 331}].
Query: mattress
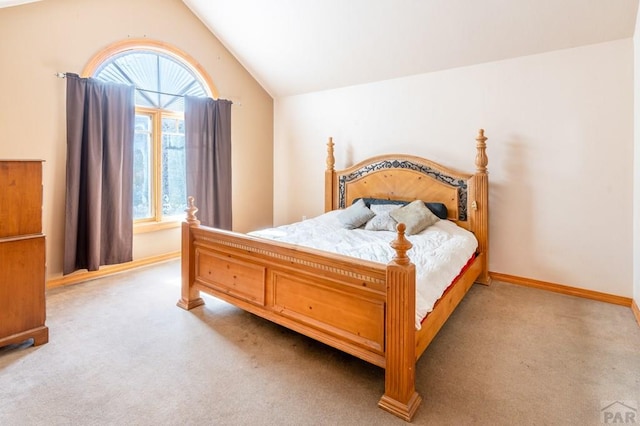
[{"x": 439, "y": 252}]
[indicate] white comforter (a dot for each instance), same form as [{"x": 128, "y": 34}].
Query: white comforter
[{"x": 439, "y": 252}]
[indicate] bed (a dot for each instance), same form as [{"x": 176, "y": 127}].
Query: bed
[{"x": 362, "y": 307}]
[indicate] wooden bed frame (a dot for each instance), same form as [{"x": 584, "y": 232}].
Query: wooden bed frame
[{"x": 363, "y": 308}]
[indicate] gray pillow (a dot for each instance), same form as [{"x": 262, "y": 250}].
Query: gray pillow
[
  {"x": 439, "y": 209},
  {"x": 415, "y": 215},
  {"x": 356, "y": 215},
  {"x": 382, "y": 221}
]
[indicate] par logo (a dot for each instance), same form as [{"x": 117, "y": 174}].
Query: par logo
[{"x": 619, "y": 412}]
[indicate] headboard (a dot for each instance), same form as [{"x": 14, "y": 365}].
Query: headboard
[{"x": 408, "y": 177}]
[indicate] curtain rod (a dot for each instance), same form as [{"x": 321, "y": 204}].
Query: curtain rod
[{"x": 64, "y": 75}]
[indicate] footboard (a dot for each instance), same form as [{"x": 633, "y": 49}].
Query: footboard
[{"x": 360, "y": 307}]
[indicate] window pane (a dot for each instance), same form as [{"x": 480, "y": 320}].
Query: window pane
[
  {"x": 143, "y": 123},
  {"x": 161, "y": 80},
  {"x": 168, "y": 125},
  {"x": 174, "y": 184},
  {"x": 142, "y": 169}
]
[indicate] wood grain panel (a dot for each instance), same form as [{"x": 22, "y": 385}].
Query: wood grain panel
[
  {"x": 406, "y": 185},
  {"x": 355, "y": 318},
  {"x": 20, "y": 198},
  {"x": 241, "y": 279},
  {"x": 21, "y": 285}
]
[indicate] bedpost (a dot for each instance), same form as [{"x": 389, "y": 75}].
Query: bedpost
[
  {"x": 190, "y": 297},
  {"x": 329, "y": 178},
  {"x": 481, "y": 206},
  {"x": 400, "y": 397}
]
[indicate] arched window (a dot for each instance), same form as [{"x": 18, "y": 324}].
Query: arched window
[{"x": 162, "y": 76}]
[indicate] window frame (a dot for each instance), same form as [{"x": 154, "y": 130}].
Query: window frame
[
  {"x": 157, "y": 221},
  {"x": 157, "y": 116}
]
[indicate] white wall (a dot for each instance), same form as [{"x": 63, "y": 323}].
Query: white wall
[{"x": 560, "y": 129}]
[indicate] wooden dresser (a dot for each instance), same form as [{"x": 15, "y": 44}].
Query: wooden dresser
[{"x": 22, "y": 253}]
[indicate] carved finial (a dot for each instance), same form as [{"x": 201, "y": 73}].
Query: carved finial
[
  {"x": 401, "y": 245},
  {"x": 331, "y": 161},
  {"x": 191, "y": 211},
  {"x": 481, "y": 153}
]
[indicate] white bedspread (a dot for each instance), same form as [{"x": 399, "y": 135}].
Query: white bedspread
[{"x": 439, "y": 252}]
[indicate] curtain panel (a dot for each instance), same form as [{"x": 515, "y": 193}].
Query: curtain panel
[
  {"x": 99, "y": 200},
  {"x": 208, "y": 158}
]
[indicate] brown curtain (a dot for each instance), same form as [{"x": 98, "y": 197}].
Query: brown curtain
[
  {"x": 208, "y": 158},
  {"x": 99, "y": 205}
]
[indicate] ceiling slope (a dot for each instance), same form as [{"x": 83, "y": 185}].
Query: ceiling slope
[
  {"x": 9, "y": 3},
  {"x": 298, "y": 46}
]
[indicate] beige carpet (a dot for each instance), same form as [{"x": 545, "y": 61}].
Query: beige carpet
[{"x": 121, "y": 352}]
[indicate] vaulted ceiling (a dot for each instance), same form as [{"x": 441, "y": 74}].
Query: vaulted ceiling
[
  {"x": 9, "y": 3},
  {"x": 298, "y": 46}
]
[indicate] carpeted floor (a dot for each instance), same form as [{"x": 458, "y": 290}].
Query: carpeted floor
[{"x": 121, "y": 352}]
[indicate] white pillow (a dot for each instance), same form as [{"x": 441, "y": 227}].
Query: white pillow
[
  {"x": 356, "y": 215},
  {"x": 416, "y": 216},
  {"x": 382, "y": 221}
]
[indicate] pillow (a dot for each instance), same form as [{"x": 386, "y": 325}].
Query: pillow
[
  {"x": 373, "y": 201},
  {"x": 382, "y": 221},
  {"x": 439, "y": 209},
  {"x": 356, "y": 215},
  {"x": 415, "y": 215}
]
